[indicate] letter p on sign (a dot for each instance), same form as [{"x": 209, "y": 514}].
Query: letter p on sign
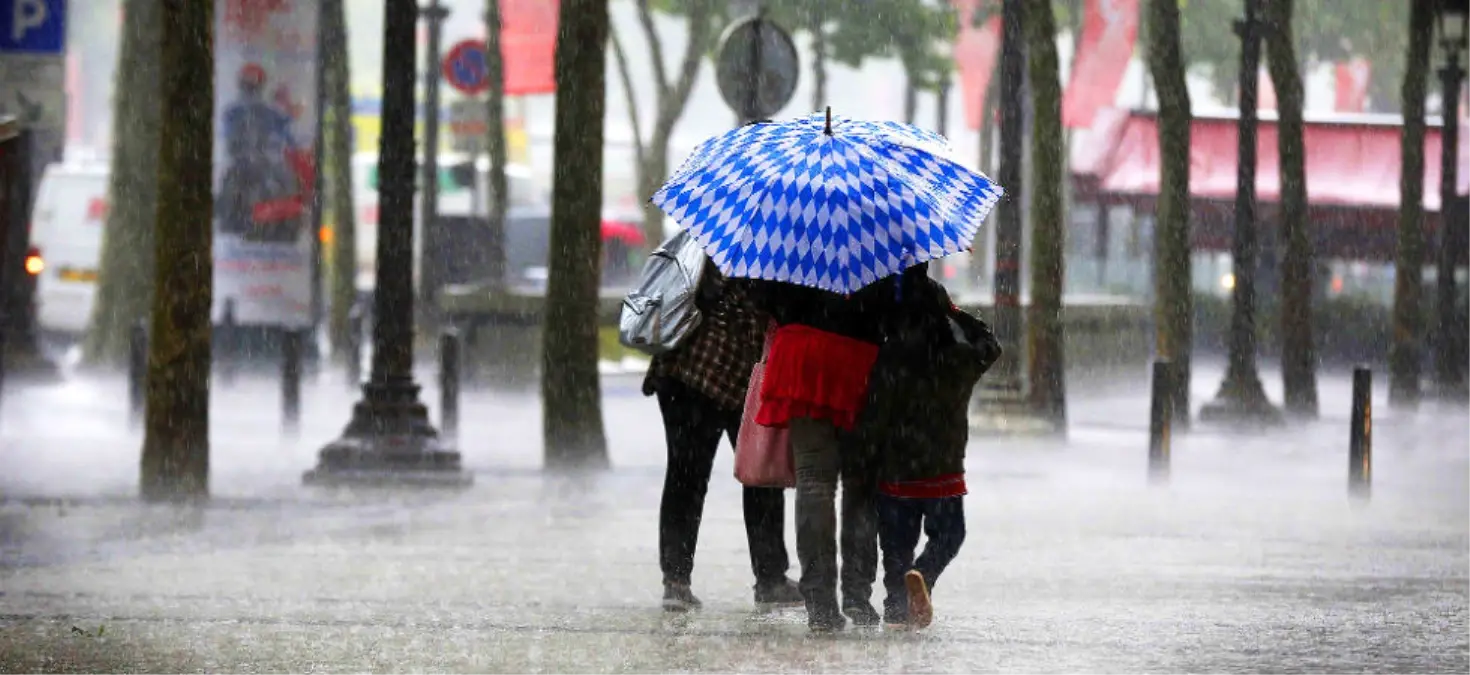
[
  {"x": 33, "y": 26},
  {"x": 29, "y": 15}
]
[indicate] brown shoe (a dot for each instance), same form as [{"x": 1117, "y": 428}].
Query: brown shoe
[{"x": 921, "y": 610}]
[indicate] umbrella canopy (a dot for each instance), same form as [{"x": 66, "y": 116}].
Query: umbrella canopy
[{"x": 826, "y": 202}]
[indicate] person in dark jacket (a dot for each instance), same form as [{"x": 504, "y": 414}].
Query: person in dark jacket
[
  {"x": 701, "y": 393},
  {"x": 915, "y": 425}
]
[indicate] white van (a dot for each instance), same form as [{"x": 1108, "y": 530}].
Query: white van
[{"x": 66, "y": 232}]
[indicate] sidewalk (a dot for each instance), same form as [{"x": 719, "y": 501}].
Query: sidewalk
[{"x": 1252, "y": 558}]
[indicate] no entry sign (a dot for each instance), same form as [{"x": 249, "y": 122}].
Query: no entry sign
[{"x": 464, "y": 67}]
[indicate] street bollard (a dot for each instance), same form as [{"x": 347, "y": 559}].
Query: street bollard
[
  {"x": 1360, "y": 445},
  {"x": 229, "y": 331},
  {"x": 1160, "y": 421},
  {"x": 137, "y": 372},
  {"x": 449, "y": 383},
  {"x": 291, "y": 381},
  {"x": 354, "y": 346}
]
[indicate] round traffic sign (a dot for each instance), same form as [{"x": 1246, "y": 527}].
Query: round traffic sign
[
  {"x": 464, "y": 67},
  {"x": 757, "y": 68}
]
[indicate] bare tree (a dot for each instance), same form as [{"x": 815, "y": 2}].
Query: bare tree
[
  {"x": 495, "y": 141},
  {"x": 671, "y": 96},
  {"x": 176, "y": 436},
  {"x": 1298, "y": 352},
  {"x": 1045, "y": 337},
  {"x": 1408, "y": 284},
  {"x": 125, "y": 277},
  {"x": 1174, "y": 300},
  {"x": 570, "y": 391},
  {"x": 339, "y": 173}
]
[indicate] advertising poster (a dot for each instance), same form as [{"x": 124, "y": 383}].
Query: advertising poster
[{"x": 264, "y": 159}]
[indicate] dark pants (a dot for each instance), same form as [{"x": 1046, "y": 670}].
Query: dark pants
[
  {"x": 693, "y": 424},
  {"x": 821, "y": 463},
  {"x": 900, "y": 520}
]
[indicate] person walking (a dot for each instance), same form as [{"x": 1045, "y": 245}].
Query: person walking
[
  {"x": 915, "y": 425},
  {"x": 816, "y": 379},
  {"x": 815, "y": 212},
  {"x": 701, "y": 388}
]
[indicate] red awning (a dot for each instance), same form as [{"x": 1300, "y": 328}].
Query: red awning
[{"x": 1349, "y": 163}]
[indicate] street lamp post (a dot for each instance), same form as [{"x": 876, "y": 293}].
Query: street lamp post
[
  {"x": 429, "y": 263},
  {"x": 389, "y": 438},
  {"x": 1453, "y": 346},
  {"x": 1242, "y": 398}
]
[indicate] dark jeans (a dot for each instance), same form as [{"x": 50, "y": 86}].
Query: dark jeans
[
  {"x": 821, "y": 463},
  {"x": 900, "y": 520},
  {"x": 693, "y": 424}
]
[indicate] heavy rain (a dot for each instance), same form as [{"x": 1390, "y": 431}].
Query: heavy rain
[{"x": 704, "y": 335}]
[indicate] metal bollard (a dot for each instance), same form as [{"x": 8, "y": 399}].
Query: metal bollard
[
  {"x": 229, "y": 330},
  {"x": 137, "y": 372},
  {"x": 1160, "y": 420},
  {"x": 355, "y": 322},
  {"x": 1360, "y": 445},
  {"x": 449, "y": 383},
  {"x": 291, "y": 381}
]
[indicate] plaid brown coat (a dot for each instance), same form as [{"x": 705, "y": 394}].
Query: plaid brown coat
[{"x": 717, "y": 358}]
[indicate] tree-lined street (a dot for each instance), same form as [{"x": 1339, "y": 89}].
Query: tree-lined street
[
  {"x": 1251, "y": 558},
  {"x": 213, "y": 483}
]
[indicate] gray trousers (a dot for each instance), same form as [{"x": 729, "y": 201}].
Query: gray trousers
[{"x": 820, "y": 462}]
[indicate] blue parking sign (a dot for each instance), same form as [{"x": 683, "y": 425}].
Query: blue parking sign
[{"x": 32, "y": 26}]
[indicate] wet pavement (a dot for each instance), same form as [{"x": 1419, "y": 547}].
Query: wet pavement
[{"x": 1251, "y": 558}]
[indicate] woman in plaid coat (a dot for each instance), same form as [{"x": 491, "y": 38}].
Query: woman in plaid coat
[{"x": 701, "y": 393}]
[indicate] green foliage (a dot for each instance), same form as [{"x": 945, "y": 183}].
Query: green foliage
[
  {"x": 125, "y": 284},
  {"x": 1324, "y": 30},
  {"x": 916, "y": 32}
]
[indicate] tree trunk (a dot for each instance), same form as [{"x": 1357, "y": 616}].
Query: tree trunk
[
  {"x": 1408, "y": 284},
  {"x": 980, "y": 249},
  {"x": 1173, "y": 295},
  {"x": 1298, "y": 353},
  {"x": 1045, "y": 339},
  {"x": 570, "y": 392},
  {"x": 495, "y": 142},
  {"x": 339, "y": 168},
  {"x": 910, "y": 97},
  {"x": 819, "y": 65},
  {"x": 176, "y": 436},
  {"x": 125, "y": 274},
  {"x": 672, "y": 97},
  {"x": 653, "y": 169}
]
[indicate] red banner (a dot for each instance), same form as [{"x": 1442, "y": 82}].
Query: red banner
[
  {"x": 1352, "y": 85},
  {"x": 1109, "y": 31},
  {"x": 976, "y": 49},
  {"x": 528, "y": 44}
]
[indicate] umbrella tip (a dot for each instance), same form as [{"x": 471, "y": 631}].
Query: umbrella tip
[{"x": 828, "y": 130}]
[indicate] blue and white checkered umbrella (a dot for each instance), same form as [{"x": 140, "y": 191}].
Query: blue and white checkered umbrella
[{"x": 827, "y": 202}]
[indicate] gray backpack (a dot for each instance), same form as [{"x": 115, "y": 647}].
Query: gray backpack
[{"x": 659, "y": 313}]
